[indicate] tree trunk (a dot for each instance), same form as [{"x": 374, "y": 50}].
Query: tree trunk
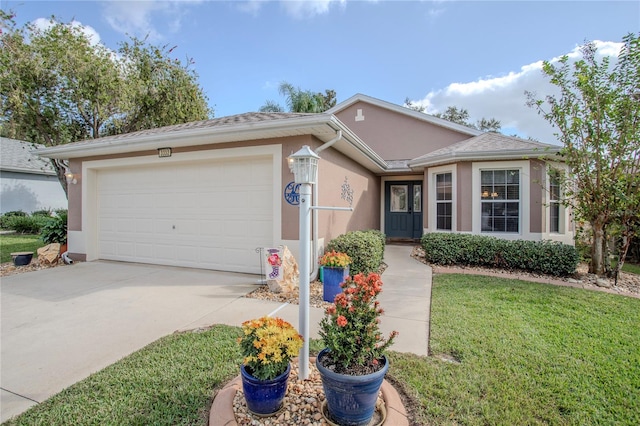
[
  {"x": 597, "y": 250},
  {"x": 61, "y": 172}
]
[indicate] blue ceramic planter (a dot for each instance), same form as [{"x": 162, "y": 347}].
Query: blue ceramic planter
[
  {"x": 264, "y": 397},
  {"x": 351, "y": 400},
  {"x": 331, "y": 280}
]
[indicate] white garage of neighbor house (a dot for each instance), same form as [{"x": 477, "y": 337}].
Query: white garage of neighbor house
[
  {"x": 207, "y": 194},
  {"x": 27, "y": 182}
]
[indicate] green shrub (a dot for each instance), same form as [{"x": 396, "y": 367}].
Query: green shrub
[
  {"x": 55, "y": 230},
  {"x": 544, "y": 257},
  {"x": 6, "y": 217},
  {"x": 380, "y": 235},
  {"x": 25, "y": 224},
  {"x": 366, "y": 249},
  {"x": 45, "y": 213}
]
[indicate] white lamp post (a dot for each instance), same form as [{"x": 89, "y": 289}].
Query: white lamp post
[{"x": 304, "y": 165}]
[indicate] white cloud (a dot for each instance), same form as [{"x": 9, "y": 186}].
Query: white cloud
[
  {"x": 310, "y": 8},
  {"x": 44, "y": 24},
  {"x": 138, "y": 18},
  {"x": 503, "y": 98}
]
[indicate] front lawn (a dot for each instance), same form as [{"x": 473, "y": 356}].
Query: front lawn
[
  {"x": 529, "y": 354},
  {"x": 11, "y": 243}
]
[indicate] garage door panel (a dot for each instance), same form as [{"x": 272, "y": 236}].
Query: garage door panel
[{"x": 208, "y": 214}]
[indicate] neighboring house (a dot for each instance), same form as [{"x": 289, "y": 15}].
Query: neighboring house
[
  {"x": 225, "y": 189},
  {"x": 28, "y": 183}
]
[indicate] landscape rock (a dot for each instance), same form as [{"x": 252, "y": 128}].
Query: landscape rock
[
  {"x": 290, "y": 274},
  {"x": 49, "y": 254}
]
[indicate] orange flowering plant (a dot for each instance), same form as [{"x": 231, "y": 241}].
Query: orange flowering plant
[
  {"x": 334, "y": 259},
  {"x": 268, "y": 344},
  {"x": 350, "y": 327}
]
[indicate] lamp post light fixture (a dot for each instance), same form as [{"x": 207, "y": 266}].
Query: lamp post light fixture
[{"x": 304, "y": 165}]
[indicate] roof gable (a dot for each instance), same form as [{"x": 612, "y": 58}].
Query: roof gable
[{"x": 358, "y": 97}]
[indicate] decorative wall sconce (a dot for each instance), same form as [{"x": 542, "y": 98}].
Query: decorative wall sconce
[
  {"x": 164, "y": 152},
  {"x": 71, "y": 178}
]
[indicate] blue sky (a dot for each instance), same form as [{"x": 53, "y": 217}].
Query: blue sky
[{"x": 479, "y": 55}]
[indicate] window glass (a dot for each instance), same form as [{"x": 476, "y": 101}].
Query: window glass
[
  {"x": 444, "y": 204},
  {"x": 554, "y": 202},
  {"x": 500, "y": 200},
  {"x": 417, "y": 198},
  {"x": 399, "y": 198}
]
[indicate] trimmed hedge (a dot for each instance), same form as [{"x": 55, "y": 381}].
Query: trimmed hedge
[
  {"x": 25, "y": 224},
  {"x": 544, "y": 257},
  {"x": 366, "y": 249}
]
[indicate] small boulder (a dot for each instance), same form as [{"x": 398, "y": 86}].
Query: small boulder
[
  {"x": 290, "y": 274},
  {"x": 49, "y": 254}
]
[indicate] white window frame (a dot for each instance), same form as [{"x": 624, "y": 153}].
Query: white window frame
[
  {"x": 524, "y": 224},
  {"x": 432, "y": 205},
  {"x": 565, "y": 234}
]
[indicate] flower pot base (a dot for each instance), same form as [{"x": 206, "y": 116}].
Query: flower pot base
[
  {"x": 262, "y": 416},
  {"x": 379, "y": 415}
]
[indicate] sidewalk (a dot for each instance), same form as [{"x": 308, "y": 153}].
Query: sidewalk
[{"x": 405, "y": 298}]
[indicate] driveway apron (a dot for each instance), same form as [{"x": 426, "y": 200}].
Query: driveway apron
[{"x": 60, "y": 325}]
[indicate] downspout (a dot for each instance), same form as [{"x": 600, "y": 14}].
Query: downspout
[{"x": 314, "y": 262}]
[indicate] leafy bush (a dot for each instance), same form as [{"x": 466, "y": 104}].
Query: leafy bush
[
  {"x": 366, "y": 249},
  {"x": 45, "y": 213},
  {"x": 54, "y": 230},
  {"x": 25, "y": 224},
  {"x": 544, "y": 257},
  {"x": 6, "y": 217}
]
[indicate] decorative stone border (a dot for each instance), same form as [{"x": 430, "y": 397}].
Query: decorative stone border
[{"x": 222, "y": 408}]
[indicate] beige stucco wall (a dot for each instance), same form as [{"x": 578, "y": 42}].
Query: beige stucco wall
[
  {"x": 537, "y": 182},
  {"x": 395, "y": 136},
  {"x": 464, "y": 190},
  {"x": 333, "y": 168}
]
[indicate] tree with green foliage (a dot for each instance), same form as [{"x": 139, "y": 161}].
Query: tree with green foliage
[
  {"x": 299, "y": 100},
  {"x": 460, "y": 116},
  {"x": 60, "y": 87},
  {"x": 597, "y": 117}
]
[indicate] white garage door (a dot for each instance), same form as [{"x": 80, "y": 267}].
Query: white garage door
[{"x": 211, "y": 214}]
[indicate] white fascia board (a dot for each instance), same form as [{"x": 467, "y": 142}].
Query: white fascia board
[
  {"x": 484, "y": 155},
  {"x": 28, "y": 171}
]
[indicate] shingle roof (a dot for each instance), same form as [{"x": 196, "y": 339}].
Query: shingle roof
[
  {"x": 231, "y": 120},
  {"x": 486, "y": 145},
  {"x": 16, "y": 156}
]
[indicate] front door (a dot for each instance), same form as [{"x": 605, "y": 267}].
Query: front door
[{"x": 403, "y": 209}]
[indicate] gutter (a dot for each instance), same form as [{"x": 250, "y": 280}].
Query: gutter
[{"x": 484, "y": 155}]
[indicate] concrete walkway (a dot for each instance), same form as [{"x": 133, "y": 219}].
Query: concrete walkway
[{"x": 60, "y": 325}]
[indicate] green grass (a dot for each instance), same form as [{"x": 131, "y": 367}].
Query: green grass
[
  {"x": 530, "y": 354},
  {"x": 170, "y": 382},
  {"x": 11, "y": 243},
  {"x": 631, "y": 268}
]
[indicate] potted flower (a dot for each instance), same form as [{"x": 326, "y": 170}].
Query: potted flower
[
  {"x": 335, "y": 269},
  {"x": 353, "y": 364},
  {"x": 267, "y": 344}
]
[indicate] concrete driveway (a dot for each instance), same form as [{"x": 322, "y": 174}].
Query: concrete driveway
[{"x": 60, "y": 325}]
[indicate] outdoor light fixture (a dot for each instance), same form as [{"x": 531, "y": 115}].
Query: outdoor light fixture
[
  {"x": 71, "y": 178},
  {"x": 304, "y": 165},
  {"x": 164, "y": 152}
]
